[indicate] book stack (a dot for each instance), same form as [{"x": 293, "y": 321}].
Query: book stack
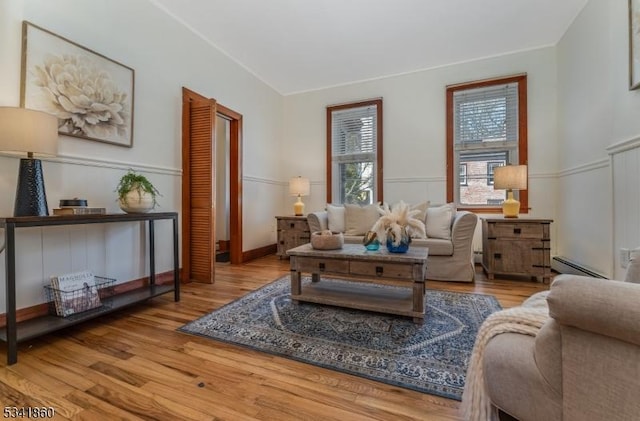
[
  {"x": 77, "y": 206},
  {"x": 79, "y": 211},
  {"x": 74, "y": 293}
]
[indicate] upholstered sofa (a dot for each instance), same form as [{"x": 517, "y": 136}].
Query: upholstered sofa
[
  {"x": 583, "y": 363},
  {"x": 450, "y": 244}
]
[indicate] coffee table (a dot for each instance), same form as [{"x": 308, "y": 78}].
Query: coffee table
[{"x": 362, "y": 267}]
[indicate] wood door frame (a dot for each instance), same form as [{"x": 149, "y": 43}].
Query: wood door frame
[{"x": 235, "y": 181}]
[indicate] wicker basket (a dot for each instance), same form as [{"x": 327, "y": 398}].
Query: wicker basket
[{"x": 322, "y": 241}]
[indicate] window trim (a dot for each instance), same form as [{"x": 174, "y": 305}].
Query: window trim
[
  {"x": 464, "y": 165},
  {"x": 490, "y": 173},
  {"x": 521, "y": 80},
  {"x": 329, "y": 151}
]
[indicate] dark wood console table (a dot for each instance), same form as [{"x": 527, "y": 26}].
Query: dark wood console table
[{"x": 15, "y": 332}]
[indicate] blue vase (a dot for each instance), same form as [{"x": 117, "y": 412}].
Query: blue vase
[
  {"x": 403, "y": 247},
  {"x": 373, "y": 246},
  {"x": 370, "y": 241}
]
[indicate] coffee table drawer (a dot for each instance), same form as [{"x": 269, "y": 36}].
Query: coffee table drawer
[
  {"x": 318, "y": 265},
  {"x": 379, "y": 270}
]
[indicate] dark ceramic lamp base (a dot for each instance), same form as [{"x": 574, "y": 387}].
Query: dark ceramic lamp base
[{"x": 31, "y": 199}]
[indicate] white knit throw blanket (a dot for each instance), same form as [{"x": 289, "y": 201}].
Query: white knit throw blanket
[{"x": 476, "y": 405}]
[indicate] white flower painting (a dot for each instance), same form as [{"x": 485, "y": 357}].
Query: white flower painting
[{"x": 91, "y": 95}]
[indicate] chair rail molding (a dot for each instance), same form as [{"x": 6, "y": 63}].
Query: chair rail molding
[
  {"x": 624, "y": 145},
  {"x": 587, "y": 167},
  {"x": 106, "y": 163}
]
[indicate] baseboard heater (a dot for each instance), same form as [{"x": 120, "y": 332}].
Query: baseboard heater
[{"x": 563, "y": 265}]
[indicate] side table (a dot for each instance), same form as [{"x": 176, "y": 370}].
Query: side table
[
  {"x": 516, "y": 246},
  {"x": 293, "y": 231}
]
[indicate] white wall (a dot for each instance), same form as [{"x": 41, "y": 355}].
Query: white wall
[
  {"x": 166, "y": 56},
  {"x": 414, "y": 128},
  {"x": 596, "y": 111}
]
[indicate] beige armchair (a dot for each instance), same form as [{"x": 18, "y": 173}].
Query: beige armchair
[{"x": 583, "y": 364}]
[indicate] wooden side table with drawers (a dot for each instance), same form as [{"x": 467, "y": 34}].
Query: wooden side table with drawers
[
  {"x": 293, "y": 231},
  {"x": 517, "y": 246}
]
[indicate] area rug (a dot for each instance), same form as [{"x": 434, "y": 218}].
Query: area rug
[{"x": 430, "y": 358}]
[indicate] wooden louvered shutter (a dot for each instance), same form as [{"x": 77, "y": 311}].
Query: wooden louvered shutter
[{"x": 198, "y": 193}]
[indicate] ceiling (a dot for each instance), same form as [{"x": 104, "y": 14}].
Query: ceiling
[{"x": 300, "y": 45}]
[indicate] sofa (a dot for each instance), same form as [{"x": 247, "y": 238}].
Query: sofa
[
  {"x": 449, "y": 235},
  {"x": 582, "y": 364}
]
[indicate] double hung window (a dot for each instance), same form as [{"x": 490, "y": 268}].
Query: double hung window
[
  {"x": 486, "y": 128},
  {"x": 354, "y": 152}
]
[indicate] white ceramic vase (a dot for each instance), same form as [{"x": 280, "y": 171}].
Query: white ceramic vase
[{"x": 137, "y": 201}]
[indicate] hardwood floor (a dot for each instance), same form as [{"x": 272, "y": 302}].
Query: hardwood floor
[{"x": 135, "y": 365}]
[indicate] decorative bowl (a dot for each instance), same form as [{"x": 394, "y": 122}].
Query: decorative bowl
[
  {"x": 325, "y": 240},
  {"x": 370, "y": 241}
]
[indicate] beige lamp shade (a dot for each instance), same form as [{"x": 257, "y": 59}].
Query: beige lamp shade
[
  {"x": 299, "y": 186},
  {"x": 28, "y": 131},
  {"x": 510, "y": 177}
]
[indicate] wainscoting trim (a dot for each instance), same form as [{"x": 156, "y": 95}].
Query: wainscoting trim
[
  {"x": 590, "y": 166},
  {"x": 624, "y": 146},
  {"x": 105, "y": 163}
]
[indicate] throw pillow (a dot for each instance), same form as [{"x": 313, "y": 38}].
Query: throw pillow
[
  {"x": 360, "y": 219},
  {"x": 422, "y": 207},
  {"x": 439, "y": 221},
  {"x": 335, "y": 215}
]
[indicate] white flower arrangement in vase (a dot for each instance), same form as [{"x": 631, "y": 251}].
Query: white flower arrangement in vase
[{"x": 398, "y": 224}]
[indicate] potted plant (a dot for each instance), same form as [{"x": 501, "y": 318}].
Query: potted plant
[
  {"x": 397, "y": 225},
  {"x": 136, "y": 193}
]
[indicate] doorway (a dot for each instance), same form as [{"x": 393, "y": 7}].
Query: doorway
[
  {"x": 199, "y": 180},
  {"x": 223, "y": 210}
]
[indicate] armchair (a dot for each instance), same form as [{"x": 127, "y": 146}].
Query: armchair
[{"x": 583, "y": 364}]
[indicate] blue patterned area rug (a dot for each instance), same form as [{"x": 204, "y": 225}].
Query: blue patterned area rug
[{"x": 430, "y": 358}]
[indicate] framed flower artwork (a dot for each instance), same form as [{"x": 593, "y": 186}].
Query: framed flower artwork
[{"x": 91, "y": 95}]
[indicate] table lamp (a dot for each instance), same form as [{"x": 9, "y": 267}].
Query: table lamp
[
  {"x": 510, "y": 177},
  {"x": 299, "y": 186},
  {"x": 29, "y": 132}
]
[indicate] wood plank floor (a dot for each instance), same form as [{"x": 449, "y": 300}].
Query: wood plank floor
[{"x": 134, "y": 365}]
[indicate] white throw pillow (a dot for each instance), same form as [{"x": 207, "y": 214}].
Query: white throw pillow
[
  {"x": 422, "y": 207},
  {"x": 336, "y": 216},
  {"x": 439, "y": 221},
  {"x": 360, "y": 219}
]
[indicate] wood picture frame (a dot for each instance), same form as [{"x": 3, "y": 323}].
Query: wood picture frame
[
  {"x": 634, "y": 44},
  {"x": 91, "y": 95}
]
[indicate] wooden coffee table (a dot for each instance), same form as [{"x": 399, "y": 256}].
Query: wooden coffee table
[{"x": 362, "y": 268}]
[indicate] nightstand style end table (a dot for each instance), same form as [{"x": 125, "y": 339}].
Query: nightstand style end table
[
  {"x": 517, "y": 246},
  {"x": 293, "y": 231}
]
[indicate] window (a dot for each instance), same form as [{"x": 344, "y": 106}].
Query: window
[
  {"x": 354, "y": 152},
  {"x": 490, "y": 167},
  {"x": 463, "y": 174},
  {"x": 486, "y": 128}
]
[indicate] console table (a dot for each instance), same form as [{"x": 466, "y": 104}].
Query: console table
[{"x": 15, "y": 332}]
